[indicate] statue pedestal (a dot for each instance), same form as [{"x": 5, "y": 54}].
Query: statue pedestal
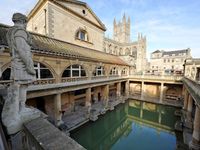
[{"x": 15, "y": 113}]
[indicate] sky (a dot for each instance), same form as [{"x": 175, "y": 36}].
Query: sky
[{"x": 167, "y": 24}]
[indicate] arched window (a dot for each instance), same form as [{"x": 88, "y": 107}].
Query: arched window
[
  {"x": 74, "y": 71},
  {"x": 82, "y": 35},
  {"x": 114, "y": 71},
  {"x": 99, "y": 71},
  {"x": 124, "y": 71},
  {"x": 6, "y": 74},
  {"x": 42, "y": 72}
]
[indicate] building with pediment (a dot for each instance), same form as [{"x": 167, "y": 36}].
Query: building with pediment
[
  {"x": 75, "y": 22},
  {"x": 81, "y": 74}
]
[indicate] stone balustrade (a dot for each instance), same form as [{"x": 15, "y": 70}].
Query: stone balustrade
[
  {"x": 157, "y": 77},
  {"x": 114, "y": 76},
  {"x": 98, "y": 77},
  {"x": 40, "y": 134},
  {"x": 74, "y": 79},
  {"x": 43, "y": 81},
  {"x": 5, "y": 82}
]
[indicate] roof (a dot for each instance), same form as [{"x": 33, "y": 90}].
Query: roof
[
  {"x": 157, "y": 51},
  {"x": 119, "y": 43},
  {"x": 58, "y": 3},
  {"x": 50, "y": 46},
  {"x": 192, "y": 61},
  {"x": 176, "y": 52}
]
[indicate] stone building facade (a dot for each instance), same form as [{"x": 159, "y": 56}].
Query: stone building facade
[
  {"x": 75, "y": 22},
  {"x": 70, "y": 21},
  {"x": 192, "y": 69},
  {"x": 167, "y": 62}
]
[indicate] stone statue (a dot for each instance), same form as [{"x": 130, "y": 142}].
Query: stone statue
[
  {"x": 15, "y": 112},
  {"x": 19, "y": 43},
  {"x": 1, "y": 51}
]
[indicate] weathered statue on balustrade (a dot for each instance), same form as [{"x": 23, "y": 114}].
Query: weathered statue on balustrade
[
  {"x": 1, "y": 51},
  {"x": 15, "y": 112}
]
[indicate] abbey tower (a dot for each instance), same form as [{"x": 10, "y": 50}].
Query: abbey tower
[
  {"x": 121, "y": 30},
  {"x": 132, "y": 52}
]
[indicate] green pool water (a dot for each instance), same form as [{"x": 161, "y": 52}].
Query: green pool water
[{"x": 134, "y": 125}]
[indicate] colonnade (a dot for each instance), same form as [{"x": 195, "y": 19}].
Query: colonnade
[
  {"x": 104, "y": 92},
  {"x": 190, "y": 122}
]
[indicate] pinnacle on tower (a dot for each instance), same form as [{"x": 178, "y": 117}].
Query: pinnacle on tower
[
  {"x": 129, "y": 20},
  {"x": 124, "y": 18},
  {"x": 114, "y": 22},
  {"x": 139, "y": 37}
]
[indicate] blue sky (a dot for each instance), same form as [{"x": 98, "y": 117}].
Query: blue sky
[{"x": 167, "y": 24}]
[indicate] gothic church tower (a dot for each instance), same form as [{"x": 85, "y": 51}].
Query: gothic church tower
[{"x": 121, "y": 31}]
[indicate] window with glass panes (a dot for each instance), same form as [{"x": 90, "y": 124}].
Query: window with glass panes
[
  {"x": 42, "y": 71},
  {"x": 6, "y": 74},
  {"x": 114, "y": 71},
  {"x": 124, "y": 71},
  {"x": 99, "y": 71},
  {"x": 74, "y": 71},
  {"x": 82, "y": 35}
]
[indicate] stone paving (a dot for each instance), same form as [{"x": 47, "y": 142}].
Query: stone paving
[
  {"x": 80, "y": 116},
  {"x": 75, "y": 119}
]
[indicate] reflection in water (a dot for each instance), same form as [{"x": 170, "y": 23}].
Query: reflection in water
[{"x": 133, "y": 125}]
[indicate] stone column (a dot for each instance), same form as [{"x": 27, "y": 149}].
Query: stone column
[
  {"x": 95, "y": 95},
  {"x": 71, "y": 100},
  {"x": 57, "y": 109},
  {"x": 161, "y": 92},
  {"x": 143, "y": 90},
  {"x": 105, "y": 94},
  {"x": 118, "y": 93},
  {"x": 185, "y": 100},
  {"x": 88, "y": 99},
  {"x": 195, "y": 143},
  {"x": 189, "y": 108},
  {"x": 127, "y": 89}
]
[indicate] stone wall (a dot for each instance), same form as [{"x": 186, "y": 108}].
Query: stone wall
[{"x": 59, "y": 18}]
